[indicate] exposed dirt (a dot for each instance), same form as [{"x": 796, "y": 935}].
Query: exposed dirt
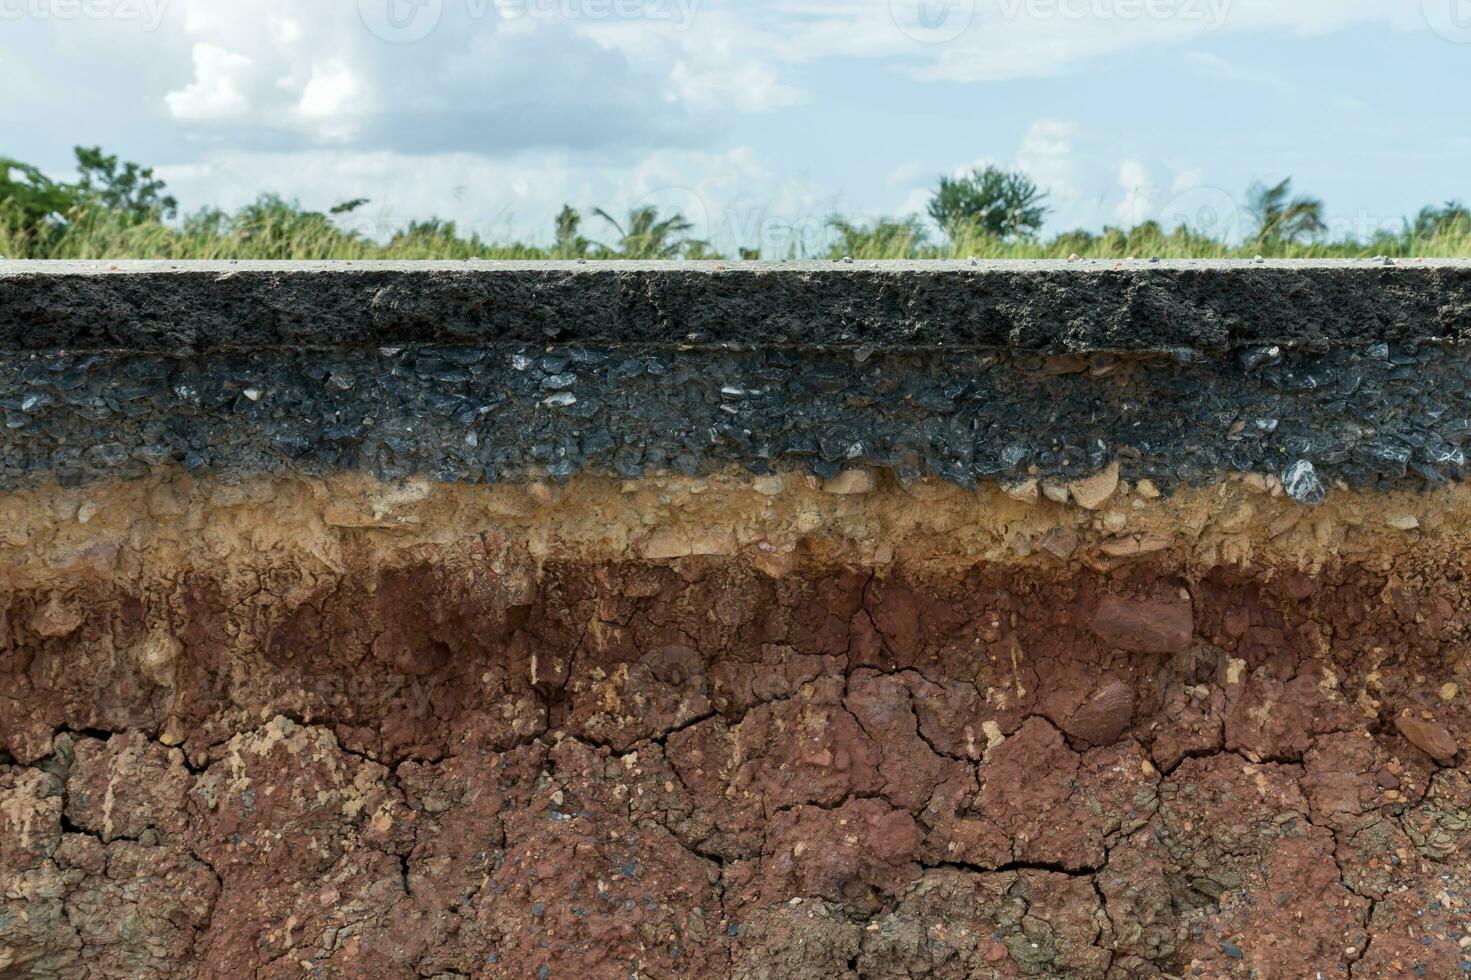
[{"x": 714, "y": 729}]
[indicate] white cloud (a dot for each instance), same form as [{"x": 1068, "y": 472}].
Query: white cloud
[
  {"x": 1011, "y": 39},
  {"x": 1138, "y": 200},
  {"x": 1046, "y": 155},
  {"x": 217, "y": 93}
]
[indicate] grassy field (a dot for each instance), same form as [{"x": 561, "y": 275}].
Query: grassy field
[
  {"x": 303, "y": 235},
  {"x": 121, "y": 210},
  {"x": 280, "y": 230}
]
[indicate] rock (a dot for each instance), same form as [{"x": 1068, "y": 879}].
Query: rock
[
  {"x": 1147, "y": 490},
  {"x": 1103, "y": 718},
  {"x": 57, "y": 618},
  {"x": 769, "y": 485},
  {"x": 1145, "y": 625},
  {"x": 157, "y": 655},
  {"x": 1055, "y": 492},
  {"x": 674, "y": 542},
  {"x": 852, "y": 483},
  {"x": 1027, "y": 491},
  {"x": 1428, "y": 736},
  {"x": 1404, "y": 522},
  {"x": 1301, "y": 482},
  {"x": 1095, "y": 491},
  {"x": 1061, "y": 542}
]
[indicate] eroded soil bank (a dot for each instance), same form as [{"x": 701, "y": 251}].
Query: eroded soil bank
[{"x": 763, "y": 727}]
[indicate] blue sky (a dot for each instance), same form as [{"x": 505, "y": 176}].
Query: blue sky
[{"x": 758, "y": 118}]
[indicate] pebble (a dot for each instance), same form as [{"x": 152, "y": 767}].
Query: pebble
[
  {"x": 1095, "y": 491},
  {"x": 1104, "y": 717},
  {"x": 1428, "y": 736},
  {"x": 852, "y": 483},
  {"x": 1061, "y": 542},
  {"x": 1026, "y": 491},
  {"x": 1301, "y": 482},
  {"x": 1055, "y": 492}
]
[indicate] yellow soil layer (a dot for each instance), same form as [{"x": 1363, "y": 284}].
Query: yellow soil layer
[{"x": 141, "y": 529}]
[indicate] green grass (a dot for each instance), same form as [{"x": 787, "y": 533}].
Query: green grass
[{"x": 277, "y": 230}]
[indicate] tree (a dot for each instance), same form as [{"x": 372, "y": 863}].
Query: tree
[
  {"x": 646, "y": 236},
  {"x": 1279, "y": 218},
  {"x": 1002, "y": 203},
  {"x": 30, "y": 196},
  {"x": 570, "y": 243},
  {"x": 127, "y": 189},
  {"x": 1452, "y": 219}
]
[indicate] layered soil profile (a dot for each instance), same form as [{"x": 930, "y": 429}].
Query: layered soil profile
[{"x": 751, "y": 621}]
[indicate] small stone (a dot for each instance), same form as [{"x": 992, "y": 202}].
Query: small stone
[
  {"x": 667, "y": 543},
  {"x": 1095, "y": 491},
  {"x": 87, "y": 511},
  {"x": 1301, "y": 482},
  {"x": 1103, "y": 718},
  {"x": 1448, "y": 692},
  {"x": 1404, "y": 522},
  {"x": 1147, "y": 490},
  {"x": 1061, "y": 542},
  {"x": 157, "y": 655},
  {"x": 1026, "y": 491},
  {"x": 1428, "y": 736},
  {"x": 57, "y": 618},
  {"x": 1055, "y": 492},
  {"x": 852, "y": 482}
]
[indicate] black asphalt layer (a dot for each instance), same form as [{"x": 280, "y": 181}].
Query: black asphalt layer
[{"x": 1138, "y": 306}]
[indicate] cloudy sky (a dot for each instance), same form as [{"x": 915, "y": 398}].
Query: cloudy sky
[{"x": 757, "y": 118}]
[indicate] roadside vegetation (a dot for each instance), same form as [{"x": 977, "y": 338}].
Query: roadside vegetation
[{"x": 118, "y": 209}]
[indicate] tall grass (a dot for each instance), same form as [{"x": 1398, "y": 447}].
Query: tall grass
[{"x": 275, "y": 229}]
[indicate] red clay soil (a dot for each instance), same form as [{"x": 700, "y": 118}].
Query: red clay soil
[{"x": 689, "y": 768}]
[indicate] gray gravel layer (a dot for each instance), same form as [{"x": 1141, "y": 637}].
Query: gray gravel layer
[
  {"x": 1133, "y": 306},
  {"x": 1374, "y": 416}
]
